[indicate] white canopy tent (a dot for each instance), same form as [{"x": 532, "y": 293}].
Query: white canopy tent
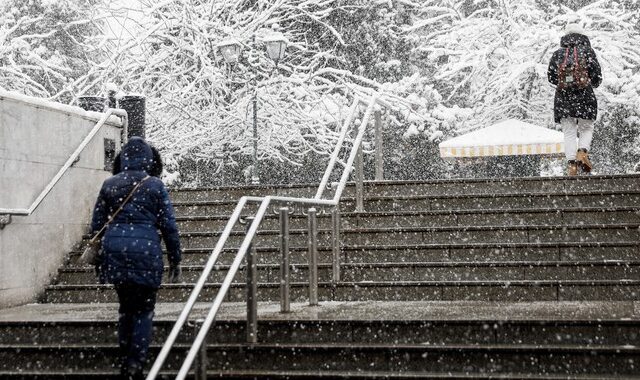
[{"x": 507, "y": 138}]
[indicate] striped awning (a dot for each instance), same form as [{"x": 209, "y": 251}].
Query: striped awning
[{"x": 507, "y": 138}]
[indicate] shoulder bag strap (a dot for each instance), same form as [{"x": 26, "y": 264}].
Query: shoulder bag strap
[{"x": 93, "y": 240}]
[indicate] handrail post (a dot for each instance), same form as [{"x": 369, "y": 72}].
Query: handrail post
[
  {"x": 359, "y": 180},
  {"x": 379, "y": 142},
  {"x": 313, "y": 257},
  {"x": 252, "y": 291},
  {"x": 335, "y": 243},
  {"x": 285, "y": 273},
  {"x": 201, "y": 359}
]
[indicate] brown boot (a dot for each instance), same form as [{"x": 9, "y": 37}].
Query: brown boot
[
  {"x": 573, "y": 168},
  {"x": 583, "y": 160}
]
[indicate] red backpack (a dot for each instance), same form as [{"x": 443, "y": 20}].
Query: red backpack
[{"x": 574, "y": 75}]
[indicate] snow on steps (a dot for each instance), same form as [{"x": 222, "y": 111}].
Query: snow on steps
[{"x": 567, "y": 247}]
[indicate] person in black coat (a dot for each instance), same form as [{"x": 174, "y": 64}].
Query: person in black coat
[
  {"x": 131, "y": 256},
  {"x": 575, "y": 103}
]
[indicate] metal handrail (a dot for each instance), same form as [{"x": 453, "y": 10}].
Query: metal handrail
[
  {"x": 246, "y": 244},
  {"x": 72, "y": 159},
  {"x": 334, "y": 157}
]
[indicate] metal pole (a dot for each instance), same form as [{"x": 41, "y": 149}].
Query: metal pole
[
  {"x": 252, "y": 291},
  {"x": 339, "y": 144},
  {"x": 184, "y": 314},
  {"x": 255, "y": 176},
  {"x": 201, "y": 359},
  {"x": 359, "y": 180},
  {"x": 379, "y": 159},
  {"x": 352, "y": 155},
  {"x": 335, "y": 226},
  {"x": 313, "y": 257},
  {"x": 285, "y": 274}
]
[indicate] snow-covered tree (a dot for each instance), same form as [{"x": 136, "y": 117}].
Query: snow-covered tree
[
  {"x": 201, "y": 108},
  {"x": 491, "y": 56},
  {"x": 44, "y": 45},
  {"x": 448, "y": 66}
]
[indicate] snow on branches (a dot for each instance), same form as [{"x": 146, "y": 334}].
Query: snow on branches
[
  {"x": 202, "y": 107},
  {"x": 43, "y": 45},
  {"x": 492, "y": 56}
]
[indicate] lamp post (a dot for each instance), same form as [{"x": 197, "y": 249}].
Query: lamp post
[{"x": 230, "y": 49}]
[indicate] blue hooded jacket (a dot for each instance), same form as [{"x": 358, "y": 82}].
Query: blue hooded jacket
[{"x": 131, "y": 249}]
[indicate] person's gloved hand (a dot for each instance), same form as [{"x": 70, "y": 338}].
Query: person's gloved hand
[{"x": 175, "y": 274}]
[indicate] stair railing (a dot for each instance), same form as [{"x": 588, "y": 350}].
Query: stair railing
[
  {"x": 72, "y": 160},
  {"x": 198, "y": 348}
]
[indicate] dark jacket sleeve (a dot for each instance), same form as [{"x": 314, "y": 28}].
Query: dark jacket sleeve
[
  {"x": 595, "y": 72},
  {"x": 100, "y": 213},
  {"x": 552, "y": 71},
  {"x": 168, "y": 228}
]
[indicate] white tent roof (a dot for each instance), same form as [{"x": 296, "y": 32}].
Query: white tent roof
[{"x": 507, "y": 138}]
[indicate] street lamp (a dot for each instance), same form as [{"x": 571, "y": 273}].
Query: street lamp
[
  {"x": 276, "y": 44},
  {"x": 230, "y": 49}
]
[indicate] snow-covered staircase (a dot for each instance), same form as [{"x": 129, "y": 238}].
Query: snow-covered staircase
[{"x": 519, "y": 278}]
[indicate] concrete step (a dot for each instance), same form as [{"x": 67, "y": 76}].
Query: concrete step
[
  {"x": 481, "y": 252},
  {"x": 465, "y": 201},
  {"x": 476, "y": 359},
  {"x": 495, "y": 359},
  {"x": 515, "y": 339},
  {"x": 292, "y": 331},
  {"x": 314, "y": 374},
  {"x": 585, "y": 322},
  {"x": 444, "y": 218},
  {"x": 434, "y": 235},
  {"x": 407, "y": 271},
  {"x": 398, "y": 236},
  {"x": 472, "y": 290},
  {"x": 435, "y": 187}
]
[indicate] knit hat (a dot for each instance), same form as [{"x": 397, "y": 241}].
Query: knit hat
[{"x": 574, "y": 28}]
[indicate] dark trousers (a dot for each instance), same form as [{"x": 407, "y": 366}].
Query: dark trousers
[{"x": 135, "y": 326}]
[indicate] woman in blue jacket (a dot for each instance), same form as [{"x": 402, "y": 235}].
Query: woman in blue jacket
[{"x": 131, "y": 249}]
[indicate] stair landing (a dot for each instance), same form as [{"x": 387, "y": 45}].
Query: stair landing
[{"x": 351, "y": 310}]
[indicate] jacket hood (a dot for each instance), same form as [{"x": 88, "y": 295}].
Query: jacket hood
[
  {"x": 136, "y": 155},
  {"x": 574, "y": 39}
]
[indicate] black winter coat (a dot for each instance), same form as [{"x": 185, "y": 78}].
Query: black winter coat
[
  {"x": 132, "y": 253},
  {"x": 576, "y": 103}
]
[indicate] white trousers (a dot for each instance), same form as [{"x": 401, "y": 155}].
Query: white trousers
[{"x": 578, "y": 134}]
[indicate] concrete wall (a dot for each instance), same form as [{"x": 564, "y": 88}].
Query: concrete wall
[{"x": 36, "y": 138}]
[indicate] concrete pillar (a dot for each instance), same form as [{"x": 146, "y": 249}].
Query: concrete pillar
[{"x": 136, "y": 109}]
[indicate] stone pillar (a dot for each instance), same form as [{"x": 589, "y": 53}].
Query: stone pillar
[{"x": 136, "y": 109}]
